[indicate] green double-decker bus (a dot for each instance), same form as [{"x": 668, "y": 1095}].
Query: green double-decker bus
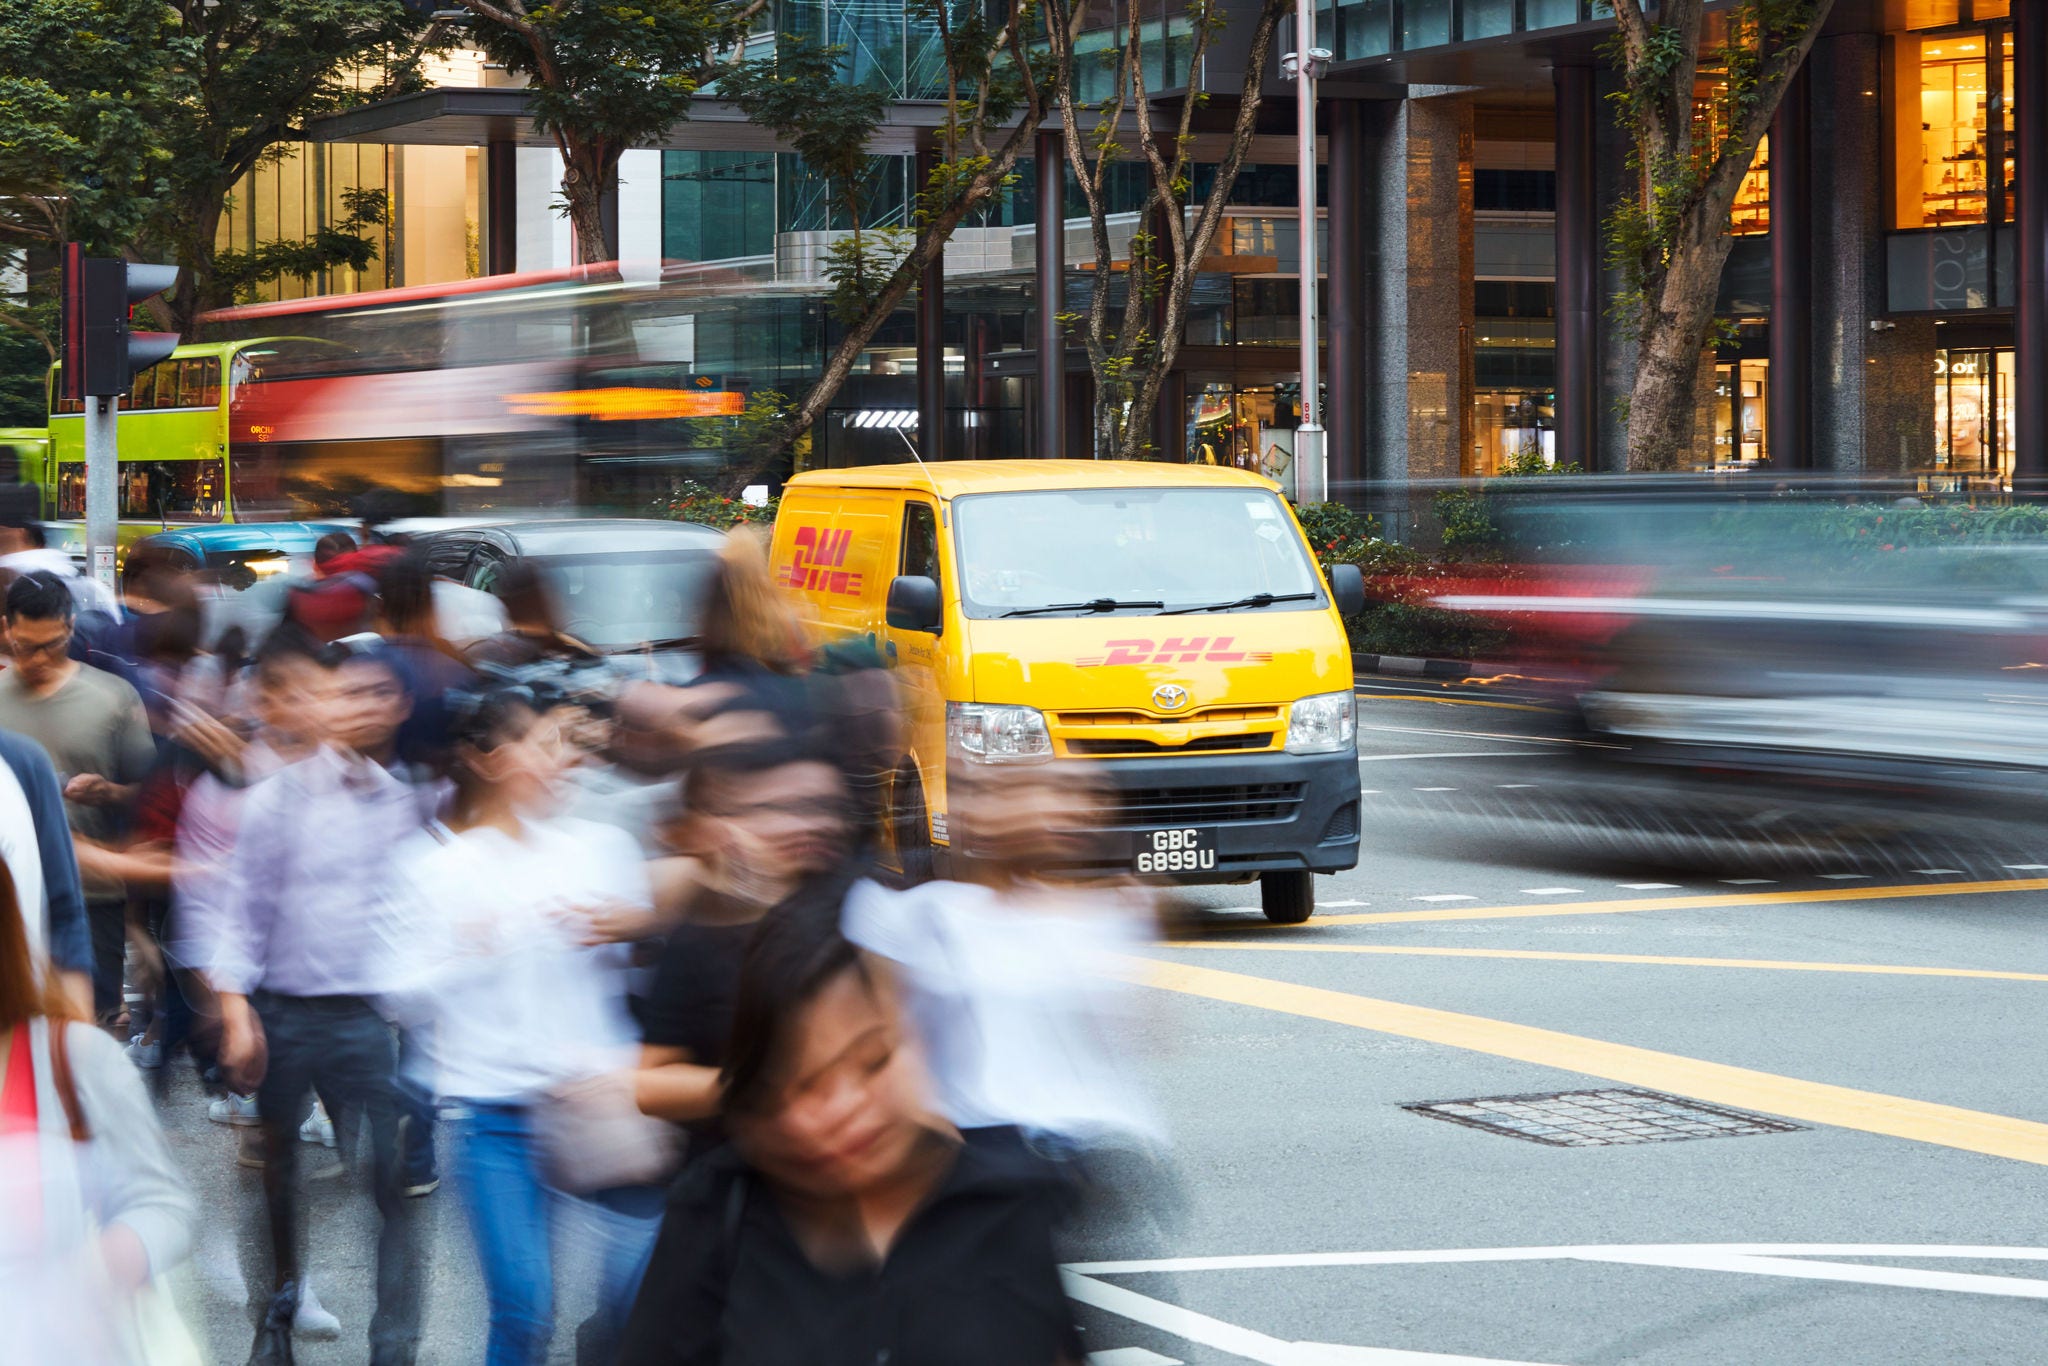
[{"x": 173, "y": 433}]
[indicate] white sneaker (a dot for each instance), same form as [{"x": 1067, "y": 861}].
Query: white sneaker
[
  {"x": 318, "y": 1128},
  {"x": 145, "y": 1055},
  {"x": 312, "y": 1319},
  {"x": 237, "y": 1110}
]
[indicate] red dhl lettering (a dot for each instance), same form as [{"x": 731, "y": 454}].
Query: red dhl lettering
[
  {"x": 1173, "y": 650},
  {"x": 815, "y": 560}
]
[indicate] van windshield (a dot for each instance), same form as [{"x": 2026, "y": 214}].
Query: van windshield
[{"x": 1158, "y": 549}]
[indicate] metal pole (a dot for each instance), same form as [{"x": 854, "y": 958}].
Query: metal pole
[
  {"x": 1311, "y": 474},
  {"x": 102, "y": 517},
  {"x": 2029, "y": 103}
]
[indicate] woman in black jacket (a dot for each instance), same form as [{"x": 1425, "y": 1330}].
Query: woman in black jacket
[{"x": 845, "y": 1226}]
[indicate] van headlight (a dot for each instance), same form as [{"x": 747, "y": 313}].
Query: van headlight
[
  {"x": 1322, "y": 724},
  {"x": 987, "y": 734}
]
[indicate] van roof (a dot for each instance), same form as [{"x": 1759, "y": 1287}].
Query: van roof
[{"x": 952, "y": 478}]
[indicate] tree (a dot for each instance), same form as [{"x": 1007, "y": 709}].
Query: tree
[
  {"x": 83, "y": 86},
  {"x": 1131, "y": 355},
  {"x": 248, "y": 74},
  {"x": 1690, "y": 149},
  {"x": 995, "y": 100},
  {"x": 608, "y": 76}
]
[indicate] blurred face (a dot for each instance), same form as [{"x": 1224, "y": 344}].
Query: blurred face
[
  {"x": 1026, "y": 818},
  {"x": 39, "y": 648},
  {"x": 526, "y": 767},
  {"x": 365, "y": 704},
  {"x": 791, "y": 820},
  {"x": 289, "y": 697},
  {"x": 846, "y": 1111}
]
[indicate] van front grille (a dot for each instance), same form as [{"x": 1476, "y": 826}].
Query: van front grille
[
  {"x": 1208, "y": 715},
  {"x": 1146, "y": 808},
  {"x": 1202, "y": 744}
]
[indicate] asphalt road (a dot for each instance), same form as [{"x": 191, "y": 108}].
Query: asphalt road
[{"x": 1892, "y": 1212}]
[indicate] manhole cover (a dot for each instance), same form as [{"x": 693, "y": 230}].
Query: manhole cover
[{"x": 1600, "y": 1119}]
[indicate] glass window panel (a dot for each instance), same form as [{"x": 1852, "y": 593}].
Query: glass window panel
[
  {"x": 1550, "y": 13},
  {"x": 144, "y": 392},
  {"x": 2008, "y": 202},
  {"x": 1752, "y": 209},
  {"x": 1425, "y": 23},
  {"x": 1941, "y": 130},
  {"x": 1364, "y": 29},
  {"x": 1488, "y": 18}
]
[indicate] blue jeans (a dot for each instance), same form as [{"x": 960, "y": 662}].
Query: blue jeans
[{"x": 512, "y": 1216}]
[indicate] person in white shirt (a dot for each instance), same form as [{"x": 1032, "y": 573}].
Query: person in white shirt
[
  {"x": 517, "y": 1008},
  {"x": 1014, "y": 984}
]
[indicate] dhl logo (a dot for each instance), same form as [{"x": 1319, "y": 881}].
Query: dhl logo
[
  {"x": 1175, "y": 650},
  {"x": 815, "y": 563}
]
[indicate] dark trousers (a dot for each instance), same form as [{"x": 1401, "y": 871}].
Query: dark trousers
[
  {"x": 341, "y": 1045},
  {"x": 108, "y": 923}
]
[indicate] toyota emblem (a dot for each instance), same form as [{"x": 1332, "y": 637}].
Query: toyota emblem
[{"x": 1170, "y": 696}]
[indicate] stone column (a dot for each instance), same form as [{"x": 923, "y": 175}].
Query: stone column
[
  {"x": 1578, "y": 267},
  {"x": 1617, "y": 347},
  {"x": 501, "y": 208},
  {"x": 1051, "y": 286},
  {"x": 2029, "y": 103},
  {"x": 931, "y": 341},
  {"x": 1348, "y": 341},
  {"x": 1791, "y": 379},
  {"x": 1872, "y": 391},
  {"x": 1419, "y": 273}
]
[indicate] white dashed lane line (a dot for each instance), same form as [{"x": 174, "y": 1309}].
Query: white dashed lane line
[
  {"x": 1445, "y": 896},
  {"x": 1648, "y": 886},
  {"x": 1551, "y": 891}
]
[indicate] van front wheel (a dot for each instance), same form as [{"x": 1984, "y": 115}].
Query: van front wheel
[
  {"x": 911, "y": 831},
  {"x": 1287, "y": 898}
]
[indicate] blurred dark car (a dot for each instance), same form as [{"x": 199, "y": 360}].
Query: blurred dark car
[{"x": 629, "y": 589}]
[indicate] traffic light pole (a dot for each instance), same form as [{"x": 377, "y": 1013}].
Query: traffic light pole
[
  {"x": 102, "y": 511},
  {"x": 1305, "y": 65}
]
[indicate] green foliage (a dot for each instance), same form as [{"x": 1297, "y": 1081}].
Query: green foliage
[
  {"x": 24, "y": 362},
  {"x": 1680, "y": 145},
  {"x": 615, "y": 73},
  {"x": 692, "y": 502},
  {"x": 801, "y": 93}
]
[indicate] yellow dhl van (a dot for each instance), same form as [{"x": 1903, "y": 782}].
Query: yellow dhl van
[{"x": 1166, "y": 623}]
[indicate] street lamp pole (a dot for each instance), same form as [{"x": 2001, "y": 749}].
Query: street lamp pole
[{"x": 1304, "y": 66}]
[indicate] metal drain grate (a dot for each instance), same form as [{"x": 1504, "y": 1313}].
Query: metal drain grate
[{"x": 1600, "y": 1119}]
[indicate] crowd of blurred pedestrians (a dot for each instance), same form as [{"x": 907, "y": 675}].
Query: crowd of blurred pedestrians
[{"x": 605, "y": 953}]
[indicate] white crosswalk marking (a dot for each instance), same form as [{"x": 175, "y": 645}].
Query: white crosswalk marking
[{"x": 1130, "y": 1356}]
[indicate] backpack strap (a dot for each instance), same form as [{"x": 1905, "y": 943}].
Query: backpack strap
[{"x": 61, "y": 1080}]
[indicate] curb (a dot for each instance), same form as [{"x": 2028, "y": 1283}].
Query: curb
[{"x": 1406, "y": 666}]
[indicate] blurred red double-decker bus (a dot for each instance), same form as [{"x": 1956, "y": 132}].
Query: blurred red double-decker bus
[{"x": 476, "y": 397}]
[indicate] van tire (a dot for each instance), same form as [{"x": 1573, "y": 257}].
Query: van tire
[
  {"x": 910, "y": 830},
  {"x": 1287, "y": 898}
]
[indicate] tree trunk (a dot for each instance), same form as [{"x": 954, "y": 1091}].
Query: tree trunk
[
  {"x": 586, "y": 171},
  {"x": 193, "y": 239},
  {"x": 1662, "y": 401}
]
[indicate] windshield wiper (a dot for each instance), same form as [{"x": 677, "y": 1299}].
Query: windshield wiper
[
  {"x": 1092, "y": 605},
  {"x": 1255, "y": 600}
]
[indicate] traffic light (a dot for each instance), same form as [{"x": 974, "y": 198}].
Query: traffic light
[{"x": 101, "y": 355}]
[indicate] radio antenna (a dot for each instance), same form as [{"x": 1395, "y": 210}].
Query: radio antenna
[{"x": 911, "y": 446}]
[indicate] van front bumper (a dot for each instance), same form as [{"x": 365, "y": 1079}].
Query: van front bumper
[{"x": 1266, "y": 813}]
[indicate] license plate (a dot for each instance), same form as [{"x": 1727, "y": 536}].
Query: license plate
[{"x": 1180, "y": 850}]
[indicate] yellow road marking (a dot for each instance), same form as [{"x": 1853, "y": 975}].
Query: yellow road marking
[
  {"x": 1769, "y": 964},
  {"x": 1452, "y": 701},
  {"x": 1681, "y": 903},
  {"x": 1815, "y": 1102}
]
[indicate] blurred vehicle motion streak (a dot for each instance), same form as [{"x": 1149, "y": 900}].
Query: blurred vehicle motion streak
[{"x": 1807, "y": 671}]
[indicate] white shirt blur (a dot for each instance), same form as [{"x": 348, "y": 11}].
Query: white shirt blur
[
  {"x": 1017, "y": 1003},
  {"x": 86, "y": 591},
  {"x": 489, "y": 955}
]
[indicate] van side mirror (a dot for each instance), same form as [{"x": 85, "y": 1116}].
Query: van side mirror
[
  {"x": 1347, "y": 587},
  {"x": 914, "y": 604}
]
